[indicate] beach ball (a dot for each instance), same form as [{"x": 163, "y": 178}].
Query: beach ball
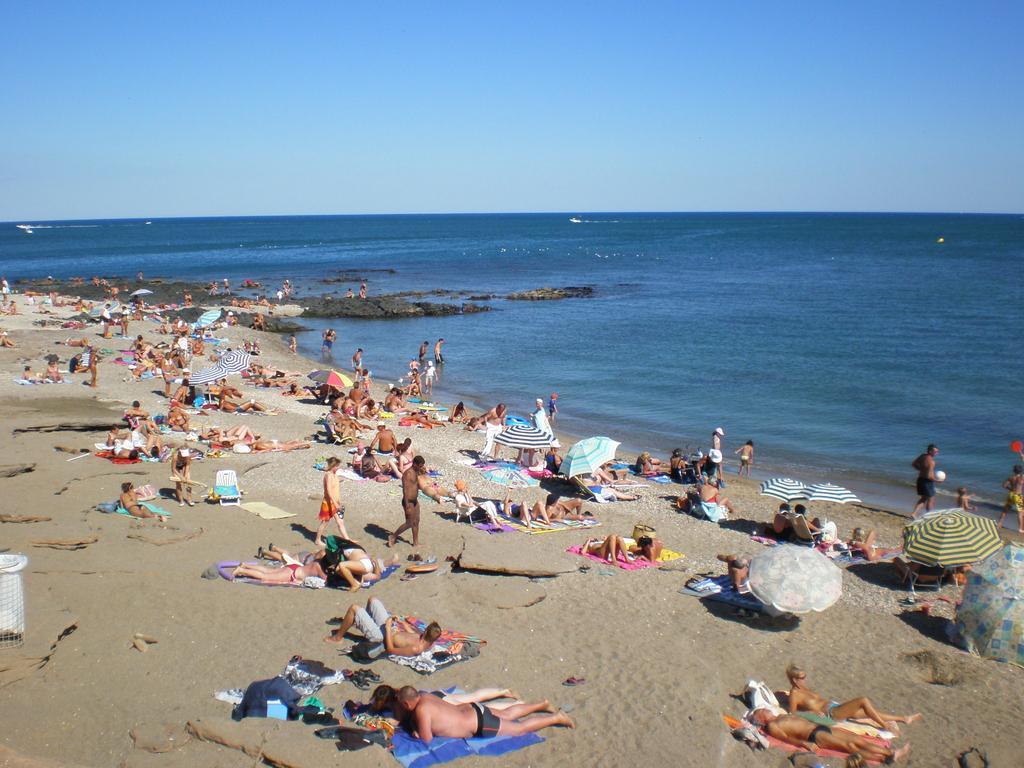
[
  {"x": 941, "y": 240},
  {"x": 1016, "y": 446},
  {"x": 940, "y": 476}
]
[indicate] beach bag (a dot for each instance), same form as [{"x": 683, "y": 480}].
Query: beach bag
[
  {"x": 757, "y": 695},
  {"x": 642, "y": 529},
  {"x": 366, "y": 651}
]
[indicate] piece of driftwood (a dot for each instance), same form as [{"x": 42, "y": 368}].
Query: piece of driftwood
[
  {"x": 20, "y": 667},
  {"x": 164, "y": 542},
  {"x": 65, "y": 544},
  {"x": 13, "y": 470},
  {"x": 24, "y": 519},
  {"x": 485, "y": 555}
]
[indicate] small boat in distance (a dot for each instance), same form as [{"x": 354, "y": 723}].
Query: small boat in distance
[
  {"x": 26, "y": 228},
  {"x": 576, "y": 220}
]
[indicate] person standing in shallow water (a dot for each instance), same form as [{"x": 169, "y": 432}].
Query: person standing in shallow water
[
  {"x": 925, "y": 466},
  {"x": 438, "y": 355},
  {"x": 746, "y": 454}
]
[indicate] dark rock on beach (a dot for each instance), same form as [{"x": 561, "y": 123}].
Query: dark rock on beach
[{"x": 550, "y": 294}]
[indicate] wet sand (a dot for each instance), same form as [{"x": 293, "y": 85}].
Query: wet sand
[{"x": 659, "y": 666}]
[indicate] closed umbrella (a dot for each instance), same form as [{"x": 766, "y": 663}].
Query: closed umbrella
[
  {"x": 795, "y": 579},
  {"x": 207, "y": 318},
  {"x": 829, "y": 492},
  {"x": 951, "y": 539},
  {"x": 522, "y": 436},
  {"x": 512, "y": 478},
  {"x": 587, "y": 455},
  {"x": 335, "y": 379},
  {"x": 784, "y": 488},
  {"x": 991, "y": 615}
]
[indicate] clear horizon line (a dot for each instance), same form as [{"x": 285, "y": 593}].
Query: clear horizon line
[{"x": 569, "y": 212}]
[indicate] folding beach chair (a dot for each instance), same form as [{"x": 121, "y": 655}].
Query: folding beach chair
[
  {"x": 225, "y": 489},
  {"x": 803, "y": 533},
  {"x": 586, "y": 492}
]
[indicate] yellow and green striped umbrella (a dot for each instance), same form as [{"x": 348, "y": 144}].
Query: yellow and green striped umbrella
[{"x": 951, "y": 539}]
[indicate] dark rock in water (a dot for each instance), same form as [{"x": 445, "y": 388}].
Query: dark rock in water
[
  {"x": 382, "y": 307},
  {"x": 550, "y": 294}
]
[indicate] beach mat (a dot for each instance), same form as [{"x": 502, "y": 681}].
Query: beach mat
[
  {"x": 556, "y": 525},
  {"x": 266, "y": 511},
  {"x": 723, "y": 592},
  {"x": 667, "y": 556},
  {"x": 414, "y": 753}
]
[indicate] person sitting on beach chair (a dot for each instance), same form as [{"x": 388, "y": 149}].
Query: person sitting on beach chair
[
  {"x": 803, "y": 699},
  {"x": 801, "y": 732},
  {"x": 376, "y": 624}
]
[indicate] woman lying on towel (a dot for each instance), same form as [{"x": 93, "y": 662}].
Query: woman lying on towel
[
  {"x": 864, "y": 545},
  {"x": 290, "y": 573},
  {"x": 279, "y": 446},
  {"x": 356, "y": 567},
  {"x": 612, "y": 547},
  {"x": 230, "y": 406}
]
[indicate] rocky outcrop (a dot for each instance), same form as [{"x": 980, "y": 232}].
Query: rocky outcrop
[
  {"x": 551, "y": 294},
  {"x": 383, "y": 307}
]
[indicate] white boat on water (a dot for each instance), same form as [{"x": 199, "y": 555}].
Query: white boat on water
[
  {"x": 26, "y": 228},
  {"x": 576, "y": 220}
]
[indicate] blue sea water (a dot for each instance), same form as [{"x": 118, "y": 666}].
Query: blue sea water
[{"x": 839, "y": 343}]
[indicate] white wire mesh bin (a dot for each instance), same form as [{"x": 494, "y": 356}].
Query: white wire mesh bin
[{"x": 12, "y": 601}]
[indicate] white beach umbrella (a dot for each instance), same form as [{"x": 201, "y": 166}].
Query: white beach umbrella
[
  {"x": 829, "y": 492},
  {"x": 795, "y": 579},
  {"x": 141, "y": 292},
  {"x": 784, "y": 488}
]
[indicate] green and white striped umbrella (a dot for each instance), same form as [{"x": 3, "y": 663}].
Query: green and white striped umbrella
[
  {"x": 950, "y": 540},
  {"x": 587, "y": 455}
]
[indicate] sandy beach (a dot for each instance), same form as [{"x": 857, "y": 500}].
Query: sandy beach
[{"x": 660, "y": 668}]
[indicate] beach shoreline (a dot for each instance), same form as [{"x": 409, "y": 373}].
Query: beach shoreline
[{"x": 672, "y": 661}]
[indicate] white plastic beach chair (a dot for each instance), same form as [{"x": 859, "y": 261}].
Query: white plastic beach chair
[{"x": 225, "y": 488}]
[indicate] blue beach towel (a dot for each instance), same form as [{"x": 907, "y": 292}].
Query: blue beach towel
[
  {"x": 414, "y": 753},
  {"x": 720, "y": 590}
]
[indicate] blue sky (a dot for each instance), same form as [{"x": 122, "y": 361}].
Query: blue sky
[{"x": 172, "y": 109}]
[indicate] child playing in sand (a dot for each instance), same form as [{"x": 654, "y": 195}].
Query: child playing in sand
[{"x": 963, "y": 499}]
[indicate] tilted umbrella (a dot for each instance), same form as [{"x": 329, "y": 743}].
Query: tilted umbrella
[
  {"x": 512, "y": 478},
  {"x": 141, "y": 292},
  {"x": 784, "y": 488},
  {"x": 335, "y": 379},
  {"x": 208, "y": 375},
  {"x": 795, "y": 579},
  {"x": 951, "y": 539},
  {"x": 524, "y": 436},
  {"x": 990, "y": 617},
  {"x": 235, "y": 360},
  {"x": 587, "y": 455},
  {"x": 207, "y": 318},
  {"x": 829, "y": 492}
]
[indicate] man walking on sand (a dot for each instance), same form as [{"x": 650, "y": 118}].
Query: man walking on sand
[
  {"x": 331, "y": 507},
  {"x": 925, "y": 466},
  {"x": 411, "y": 501}
]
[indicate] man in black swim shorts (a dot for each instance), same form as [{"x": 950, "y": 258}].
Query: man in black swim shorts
[
  {"x": 429, "y": 716},
  {"x": 925, "y": 466}
]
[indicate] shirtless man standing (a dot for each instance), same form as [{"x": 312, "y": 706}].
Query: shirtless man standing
[
  {"x": 925, "y": 466},
  {"x": 438, "y": 354},
  {"x": 801, "y": 732},
  {"x": 803, "y": 699},
  {"x": 331, "y": 507},
  {"x": 1014, "y": 486},
  {"x": 423, "y": 352},
  {"x": 411, "y": 501},
  {"x": 430, "y": 716},
  {"x": 377, "y": 625}
]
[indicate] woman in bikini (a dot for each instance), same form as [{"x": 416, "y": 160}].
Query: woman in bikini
[
  {"x": 181, "y": 474},
  {"x": 129, "y": 501},
  {"x": 358, "y": 568},
  {"x": 866, "y": 547},
  {"x": 291, "y": 573}
]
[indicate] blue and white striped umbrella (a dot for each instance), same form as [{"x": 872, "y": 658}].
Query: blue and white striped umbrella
[
  {"x": 522, "y": 436},
  {"x": 587, "y": 455},
  {"x": 829, "y": 492},
  {"x": 232, "y": 361},
  {"x": 784, "y": 488},
  {"x": 210, "y": 316}
]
